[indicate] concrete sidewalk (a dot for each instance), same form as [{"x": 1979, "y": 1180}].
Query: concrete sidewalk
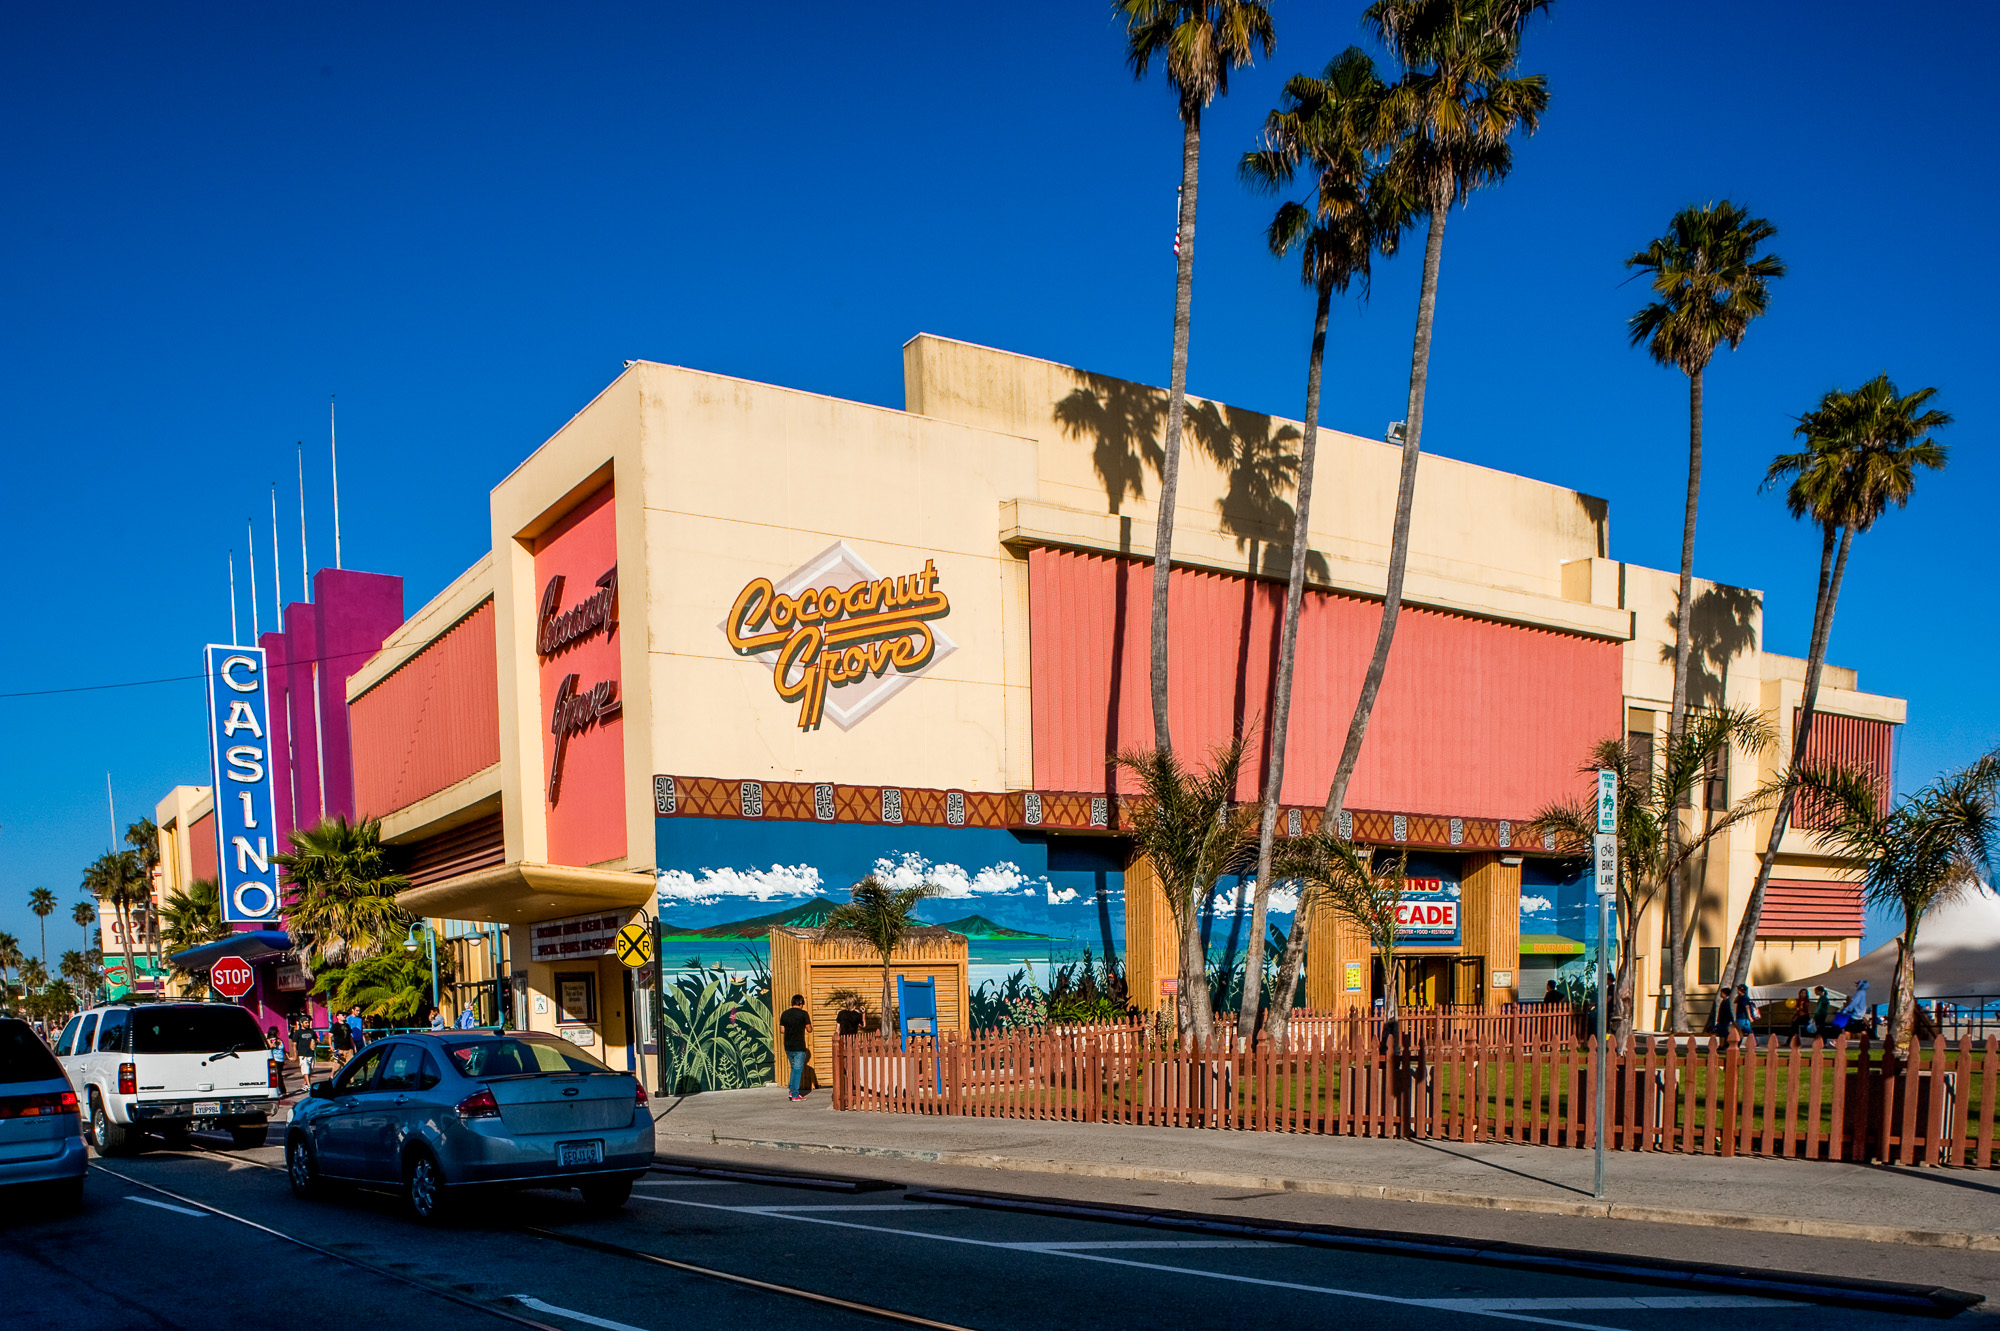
[{"x": 1948, "y": 1208}]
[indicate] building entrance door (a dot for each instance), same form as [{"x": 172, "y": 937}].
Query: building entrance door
[{"x": 1429, "y": 982}]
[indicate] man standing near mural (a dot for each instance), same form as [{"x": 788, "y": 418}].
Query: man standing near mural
[{"x": 795, "y": 1022}]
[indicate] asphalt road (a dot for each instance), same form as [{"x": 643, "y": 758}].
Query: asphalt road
[{"x": 146, "y": 1251}]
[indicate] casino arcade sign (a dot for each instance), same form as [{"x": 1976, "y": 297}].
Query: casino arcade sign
[{"x": 841, "y": 639}]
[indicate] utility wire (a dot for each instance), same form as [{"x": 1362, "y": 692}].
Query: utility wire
[{"x": 172, "y": 679}]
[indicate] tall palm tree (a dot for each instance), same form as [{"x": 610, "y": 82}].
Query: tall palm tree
[
  {"x": 84, "y": 916},
  {"x": 144, "y": 838},
  {"x": 1329, "y": 127},
  {"x": 1711, "y": 282},
  {"x": 189, "y": 919},
  {"x": 10, "y": 959},
  {"x": 1862, "y": 453},
  {"x": 115, "y": 879},
  {"x": 1188, "y": 826},
  {"x": 1199, "y": 42},
  {"x": 343, "y": 905},
  {"x": 1649, "y": 798},
  {"x": 881, "y": 916},
  {"x": 1917, "y": 855},
  {"x": 43, "y": 903}
]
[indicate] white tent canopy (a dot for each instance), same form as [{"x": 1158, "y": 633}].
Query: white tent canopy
[{"x": 1958, "y": 956}]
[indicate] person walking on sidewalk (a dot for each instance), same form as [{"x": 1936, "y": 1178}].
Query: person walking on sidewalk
[
  {"x": 341, "y": 1036},
  {"x": 1746, "y": 1012},
  {"x": 796, "y": 1022},
  {"x": 1801, "y": 1019},
  {"x": 304, "y": 1041},
  {"x": 356, "y": 1027}
]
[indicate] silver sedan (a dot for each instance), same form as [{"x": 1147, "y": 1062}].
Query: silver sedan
[{"x": 444, "y": 1112}]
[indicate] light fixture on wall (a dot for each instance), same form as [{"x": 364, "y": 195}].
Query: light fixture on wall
[{"x": 1512, "y": 860}]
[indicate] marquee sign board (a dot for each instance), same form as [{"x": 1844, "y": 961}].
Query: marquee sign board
[
  {"x": 840, "y": 639},
  {"x": 1428, "y": 912},
  {"x": 246, "y": 833}
]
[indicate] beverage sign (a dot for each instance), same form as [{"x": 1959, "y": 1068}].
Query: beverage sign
[
  {"x": 239, "y": 726},
  {"x": 840, "y": 639}
]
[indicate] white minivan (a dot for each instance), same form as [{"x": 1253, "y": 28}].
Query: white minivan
[{"x": 168, "y": 1068}]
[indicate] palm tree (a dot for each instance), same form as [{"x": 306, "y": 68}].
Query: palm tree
[
  {"x": 1330, "y": 127},
  {"x": 1862, "y": 453},
  {"x": 84, "y": 916},
  {"x": 343, "y": 905},
  {"x": 43, "y": 903},
  {"x": 10, "y": 959},
  {"x": 191, "y": 918},
  {"x": 1198, "y": 42},
  {"x": 115, "y": 879},
  {"x": 1358, "y": 885},
  {"x": 882, "y": 917},
  {"x": 1915, "y": 856},
  {"x": 78, "y": 973},
  {"x": 144, "y": 838},
  {"x": 1711, "y": 282},
  {"x": 1649, "y": 801},
  {"x": 1188, "y": 827}
]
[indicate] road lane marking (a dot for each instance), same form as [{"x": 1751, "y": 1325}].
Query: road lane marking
[
  {"x": 572, "y": 1314},
  {"x": 169, "y": 1206},
  {"x": 891, "y": 1208},
  {"x": 1145, "y": 1243},
  {"x": 1363, "y": 1295},
  {"x": 1632, "y": 1303},
  {"x": 685, "y": 1183}
]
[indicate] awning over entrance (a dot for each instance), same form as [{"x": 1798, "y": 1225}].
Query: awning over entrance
[
  {"x": 523, "y": 893},
  {"x": 250, "y": 945}
]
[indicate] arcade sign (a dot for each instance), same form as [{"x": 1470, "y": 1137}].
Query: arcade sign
[
  {"x": 1427, "y": 912},
  {"x": 239, "y": 724}
]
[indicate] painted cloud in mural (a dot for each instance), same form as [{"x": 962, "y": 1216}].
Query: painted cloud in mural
[
  {"x": 1284, "y": 899},
  {"x": 1532, "y": 905},
  {"x": 713, "y": 885},
  {"x": 1004, "y": 879}
]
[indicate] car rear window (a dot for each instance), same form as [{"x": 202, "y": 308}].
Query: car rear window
[
  {"x": 193, "y": 1030},
  {"x": 513, "y": 1057},
  {"x": 23, "y": 1056}
]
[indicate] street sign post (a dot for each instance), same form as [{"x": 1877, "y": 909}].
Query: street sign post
[
  {"x": 232, "y": 977},
  {"x": 1605, "y": 871}
]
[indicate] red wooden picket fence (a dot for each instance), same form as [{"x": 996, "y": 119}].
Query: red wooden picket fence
[{"x": 1846, "y": 1101}]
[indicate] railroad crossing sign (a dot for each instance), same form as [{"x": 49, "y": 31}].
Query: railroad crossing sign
[
  {"x": 232, "y": 977},
  {"x": 635, "y": 945}
]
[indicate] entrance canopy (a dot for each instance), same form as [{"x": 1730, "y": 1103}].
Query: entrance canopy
[
  {"x": 1958, "y": 956},
  {"x": 250, "y": 945},
  {"x": 524, "y": 893}
]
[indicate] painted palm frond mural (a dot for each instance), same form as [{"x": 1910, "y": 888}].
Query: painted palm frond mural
[{"x": 715, "y": 1028}]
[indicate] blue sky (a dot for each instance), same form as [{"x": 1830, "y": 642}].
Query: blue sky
[{"x": 462, "y": 219}]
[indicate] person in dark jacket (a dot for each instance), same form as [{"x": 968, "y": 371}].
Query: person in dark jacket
[
  {"x": 341, "y": 1036},
  {"x": 850, "y": 1017}
]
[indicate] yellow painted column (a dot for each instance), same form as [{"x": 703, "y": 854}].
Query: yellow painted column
[
  {"x": 1339, "y": 962},
  {"x": 1151, "y": 940},
  {"x": 1490, "y": 899}
]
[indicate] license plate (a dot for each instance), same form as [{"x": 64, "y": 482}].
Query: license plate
[
  {"x": 207, "y": 1108},
  {"x": 571, "y": 1155}
]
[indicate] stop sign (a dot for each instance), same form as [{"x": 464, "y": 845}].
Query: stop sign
[{"x": 232, "y": 977}]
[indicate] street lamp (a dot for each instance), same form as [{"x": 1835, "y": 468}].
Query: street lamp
[{"x": 430, "y": 939}]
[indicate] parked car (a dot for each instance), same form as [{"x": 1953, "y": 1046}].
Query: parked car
[
  {"x": 167, "y": 1069},
  {"x": 442, "y": 1113},
  {"x": 41, "y": 1137}
]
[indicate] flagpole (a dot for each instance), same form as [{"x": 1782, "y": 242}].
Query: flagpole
[
  {"x": 333, "y": 447},
  {"x": 277, "y": 565},
  {"x": 305, "y": 561},
  {"x": 250, "y": 533},
  {"x": 232, "y": 600}
]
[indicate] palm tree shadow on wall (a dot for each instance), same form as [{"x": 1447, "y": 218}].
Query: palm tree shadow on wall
[
  {"x": 1724, "y": 626},
  {"x": 1123, "y": 421},
  {"x": 1262, "y": 468}
]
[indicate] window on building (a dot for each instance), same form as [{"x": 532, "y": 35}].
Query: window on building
[{"x": 1711, "y": 965}]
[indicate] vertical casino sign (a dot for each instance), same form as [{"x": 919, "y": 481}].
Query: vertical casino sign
[{"x": 239, "y": 726}]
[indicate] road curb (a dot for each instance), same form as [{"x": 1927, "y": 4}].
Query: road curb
[{"x": 1659, "y": 1215}]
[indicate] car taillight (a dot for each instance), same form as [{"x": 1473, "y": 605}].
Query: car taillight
[
  {"x": 271, "y": 1071},
  {"x": 128, "y": 1079},
  {"x": 36, "y": 1106},
  {"x": 480, "y": 1104},
  {"x": 641, "y": 1097}
]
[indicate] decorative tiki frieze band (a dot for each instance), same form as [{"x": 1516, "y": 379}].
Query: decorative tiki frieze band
[
  {"x": 753, "y": 799},
  {"x": 1458, "y": 831},
  {"x": 823, "y": 802},
  {"x": 1100, "y": 811},
  {"x": 892, "y": 805},
  {"x": 1295, "y": 822},
  {"x": 558, "y": 629},
  {"x": 1032, "y": 809},
  {"x": 663, "y": 795},
  {"x": 954, "y": 808},
  {"x": 1402, "y": 826},
  {"x": 1506, "y": 833},
  {"x": 1346, "y": 825}
]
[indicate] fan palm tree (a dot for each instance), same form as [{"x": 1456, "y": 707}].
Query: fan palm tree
[
  {"x": 1189, "y": 828},
  {"x": 1198, "y": 43},
  {"x": 882, "y": 917},
  {"x": 343, "y": 905},
  {"x": 43, "y": 903},
  {"x": 115, "y": 879},
  {"x": 10, "y": 959},
  {"x": 1328, "y": 127},
  {"x": 144, "y": 838},
  {"x": 1358, "y": 885},
  {"x": 1711, "y": 282},
  {"x": 1649, "y": 801},
  {"x": 1862, "y": 453},
  {"x": 191, "y": 918},
  {"x": 84, "y": 916},
  {"x": 1917, "y": 855},
  {"x": 76, "y": 971}
]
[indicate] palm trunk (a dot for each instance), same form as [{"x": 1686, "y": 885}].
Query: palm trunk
[
  {"x": 888, "y": 997},
  {"x": 1197, "y": 1014},
  {"x": 1279, "y": 1019},
  {"x": 1170, "y": 465},
  {"x": 1903, "y": 992},
  {"x": 1737, "y": 971},
  {"x": 1677, "y": 719},
  {"x": 1281, "y": 695}
]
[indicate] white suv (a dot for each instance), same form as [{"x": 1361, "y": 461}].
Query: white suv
[{"x": 168, "y": 1068}]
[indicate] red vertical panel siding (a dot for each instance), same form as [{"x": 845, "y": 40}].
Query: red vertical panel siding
[
  {"x": 433, "y": 721},
  {"x": 201, "y": 847},
  {"x": 1848, "y": 741},
  {"x": 1474, "y": 718},
  {"x": 587, "y": 822},
  {"x": 1800, "y": 908}
]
